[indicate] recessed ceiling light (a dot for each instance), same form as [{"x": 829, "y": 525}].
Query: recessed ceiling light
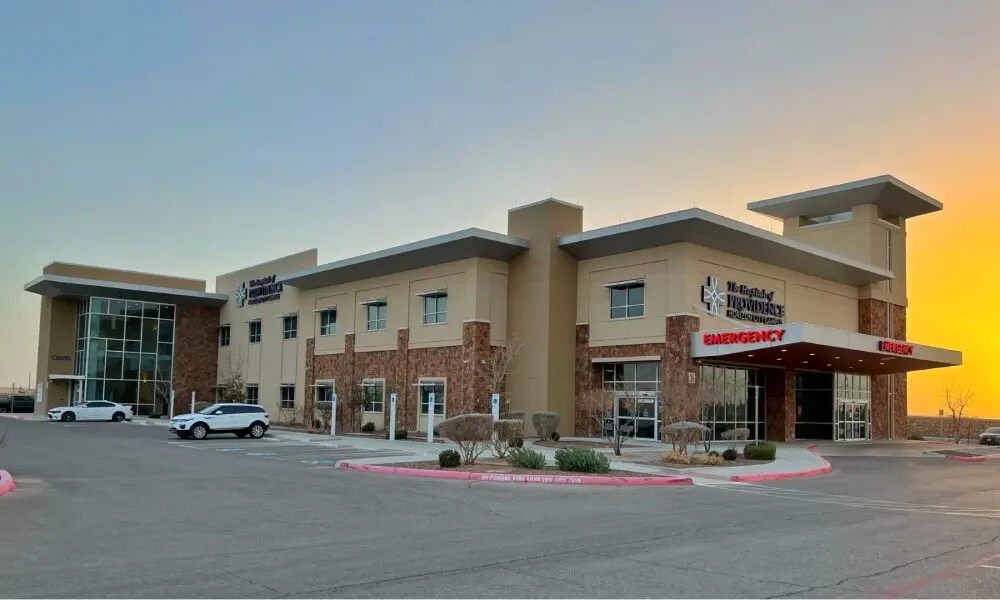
[
  {"x": 812, "y": 354},
  {"x": 881, "y": 363},
  {"x": 861, "y": 360},
  {"x": 784, "y": 349},
  {"x": 829, "y": 365},
  {"x": 836, "y": 358},
  {"x": 749, "y": 355},
  {"x": 805, "y": 362},
  {"x": 777, "y": 359}
]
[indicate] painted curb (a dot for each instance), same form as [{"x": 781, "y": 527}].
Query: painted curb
[
  {"x": 825, "y": 468},
  {"x": 14, "y": 417},
  {"x": 7, "y": 483},
  {"x": 982, "y": 458},
  {"x": 518, "y": 478}
]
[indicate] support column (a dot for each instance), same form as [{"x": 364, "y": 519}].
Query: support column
[
  {"x": 679, "y": 399},
  {"x": 779, "y": 394},
  {"x": 475, "y": 350}
]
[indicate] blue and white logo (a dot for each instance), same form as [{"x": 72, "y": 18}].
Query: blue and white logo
[
  {"x": 713, "y": 296},
  {"x": 241, "y": 295}
]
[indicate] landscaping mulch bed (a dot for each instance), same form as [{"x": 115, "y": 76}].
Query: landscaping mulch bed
[
  {"x": 490, "y": 466},
  {"x": 577, "y": 444},
  {"x": 739, "y": 462},
  {"x": 964, "y": 453}
]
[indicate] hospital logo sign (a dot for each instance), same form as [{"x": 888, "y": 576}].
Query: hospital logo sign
[{"x": 742, "y": 302}]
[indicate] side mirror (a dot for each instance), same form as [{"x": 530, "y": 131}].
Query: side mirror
[{"x": 218, "y": 412}]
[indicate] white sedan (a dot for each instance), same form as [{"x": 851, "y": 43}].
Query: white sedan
[{"x": 95, "y": 410}]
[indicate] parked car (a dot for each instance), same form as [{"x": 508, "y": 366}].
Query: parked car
[
  {"x": 240, "y": 419},
  {"x": 990, "y": 436},
  {"x": 16, "y": 403},
  {"x": 95, "y": 410}
]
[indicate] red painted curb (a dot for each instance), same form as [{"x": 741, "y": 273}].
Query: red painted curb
[
  {"x": 982, "y": 458},
  {"x": 7, "y": 483},
  {"x": 826, "y": 468},
  {"x": 517, "y": 477}
]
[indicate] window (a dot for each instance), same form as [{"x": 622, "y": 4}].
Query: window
[
  {"x": 255, "y": 332},
  {"x": 377, "y": 313},
  {"x": 628, "y": 300},
  {"x": 324, "y": 394},
  {"x": 328, "y": 321},
  {"x": 436, "y": 308},
  {"x": 253, "y": 394},
  {"x": 733, "y": 398},
  {"x": 825, "y": 219},
  {"x": 287, "y": 395},
  {"x": 373, "y": 392},
  {"x": 290, "y": 327},
  {"x": 437, "y": 387},
  {"x": 224, "y": 336}
]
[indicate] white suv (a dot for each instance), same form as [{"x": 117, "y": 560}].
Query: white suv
[{"x": 241, "y": 419}]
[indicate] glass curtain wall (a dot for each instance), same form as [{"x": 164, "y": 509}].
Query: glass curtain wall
[
  {"x": 125, "y": 350},
  {"x": 731, "y": 398}
]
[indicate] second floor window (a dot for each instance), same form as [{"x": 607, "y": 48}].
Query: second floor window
[
  {"x": 290, "y": 327},
  {"x": 436, "y": 308},
  {"x": 328, "y": 321},
  {"x": 378, "y": 313},
  {"x": 224, "y": 336},
  {"x": 254, "y": 332},
  {"x": 628, "y": 300}
]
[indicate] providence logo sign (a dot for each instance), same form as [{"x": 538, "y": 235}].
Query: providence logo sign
[
  {"x": 260, "y": 290},
  {"x": 742, "y": 302}
]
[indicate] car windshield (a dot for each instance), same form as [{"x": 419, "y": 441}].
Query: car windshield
[
  {"x": 209, "y": 409},
  {"x": 993, "y": 430}
]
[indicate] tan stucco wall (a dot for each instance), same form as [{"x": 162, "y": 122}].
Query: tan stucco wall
[
  {"x": 674, "y": 275},
  {"x": 476, "y": 290},
  {"x": 122, "y": 276},
  {"x": 273, "y": 361},
  {"x": 56, "y": 338}
]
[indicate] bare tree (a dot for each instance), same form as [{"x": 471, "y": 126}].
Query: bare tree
[
  {"x": 614, "y": 425},
  {"x": 957, "y": 403},
  {"x": 232, "y": 386},
  {"x": 494, "y": 373}
]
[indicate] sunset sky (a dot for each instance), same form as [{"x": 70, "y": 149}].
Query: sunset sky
[{"x": 194, "y": 138}]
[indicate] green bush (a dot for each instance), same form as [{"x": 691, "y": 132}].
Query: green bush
[
  {"x": 401, "y": 434},
  {"x": 368, "y": 427},
  {"x": 760, "y": 451},
  {"x": 582, "y": 460},
  {"x": 545, "y": 424},
  {"x": 449, "y": 459},
  {"x": 525, "y": 458},
  {"x": 506, "y": 434},
  {"x": 471, "y": 432},
  {"x": 730, "y": 454},
  {"x": 916, "y": 437},
  {"x": 517, "y": 443}
]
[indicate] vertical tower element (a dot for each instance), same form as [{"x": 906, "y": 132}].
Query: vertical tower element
[{"x": 541, "y": 310}]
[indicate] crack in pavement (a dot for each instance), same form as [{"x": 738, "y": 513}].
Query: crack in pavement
[
  {"x": 892, "y": 569},
  {"x": 250, "y": 581}
]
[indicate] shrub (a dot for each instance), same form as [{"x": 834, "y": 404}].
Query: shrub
[
  {"x": 526, "y": 458},
  {"x": 676, "y": 458},
  {"x": 713, "y": 453},
  {"x": 730, "y": 454},
  {"x": 368, "y": 427},
  {"x": 683, "y": 433},
  {"x": 545, "y": 424},
  {"x": 708, "y": 459},
  {"x": 740, "y": 434},
  {"x": 517, "y": 442},
  {"x": 471, "y": 432},
  {"x": 916, "y": 437},
  {"x": 449, "y": 459},
  {"x": 582, "y": 460},
  {"x": 401, "y": 434},
  {"x": 516, "y": 415},
  {"x": 760, "y": 451},
  {"x": 506, "y": 434}
]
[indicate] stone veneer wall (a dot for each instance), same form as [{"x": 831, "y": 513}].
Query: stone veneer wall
[
  {"x": 779, "y": 398},
  {"x": 873, "y": 319},
  {"x": 942, "y": 427},
  {"x": 679, "y": 394},
  {"x": 196, "y": 355},
  {"x": 460, "y": 365}
]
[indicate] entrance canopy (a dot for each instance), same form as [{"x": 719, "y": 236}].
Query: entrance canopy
[{"x": 807, "y": 347}]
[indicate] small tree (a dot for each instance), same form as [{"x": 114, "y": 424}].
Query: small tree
[
  {"x": 471, "y": 432},
  {"x": 232, "y": 385},
  {"x": 599, "y": 406},
  {"x": 507, "y": 434},
  {"x": 957, "y": 403},
  {"x": 494, "y": 373},
  {"x": 683, "y": 433}
]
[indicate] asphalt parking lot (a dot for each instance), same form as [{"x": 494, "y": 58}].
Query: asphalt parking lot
[{"x": 126, "y": 511}]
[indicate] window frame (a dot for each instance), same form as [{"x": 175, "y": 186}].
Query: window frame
[
  {"x": 282, "y": 400},
  {"x": 384, "y": 321},
  {"x": 372, "y": 382},
  {"x": 423, "y": 406},
  {"x": 322, "y": 384},
  {"x": 438, "y": 317},
  {"x": 626, "y": 287},
  {"x": 289, "y": 332},
  {"x": 330, "y": 327},
  {"x": 256, "y": 399},
  {"x": 225, "y": 335},
  {"x": 260, "y": 330}
]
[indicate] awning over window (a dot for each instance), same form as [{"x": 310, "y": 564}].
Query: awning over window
[{"x": 803, "y": 346}]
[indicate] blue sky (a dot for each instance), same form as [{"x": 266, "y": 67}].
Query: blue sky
[{"x": 194, "y": 138}]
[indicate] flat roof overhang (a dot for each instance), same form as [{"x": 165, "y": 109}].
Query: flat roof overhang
[
  {"x": 468, "y": 243},
  {"x": 885, "y": 191},
  {"x": 807, "y": 347},
  {"x": 60, "y": 286},
  {"x": 708, "y": 229}
]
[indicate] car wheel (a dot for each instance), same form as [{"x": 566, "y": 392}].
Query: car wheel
[
  {"x": 199, "y": 431},
  {"x": 241, "y": 434},
  {"x": 257, "y": 430},
  {"x": 118, "y": 417},
  {"x": 67, "y": 416}
]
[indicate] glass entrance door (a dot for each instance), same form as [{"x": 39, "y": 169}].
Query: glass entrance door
[
  {"x": 638, "y": 414},
  {"x": 852, "y": 421}
]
